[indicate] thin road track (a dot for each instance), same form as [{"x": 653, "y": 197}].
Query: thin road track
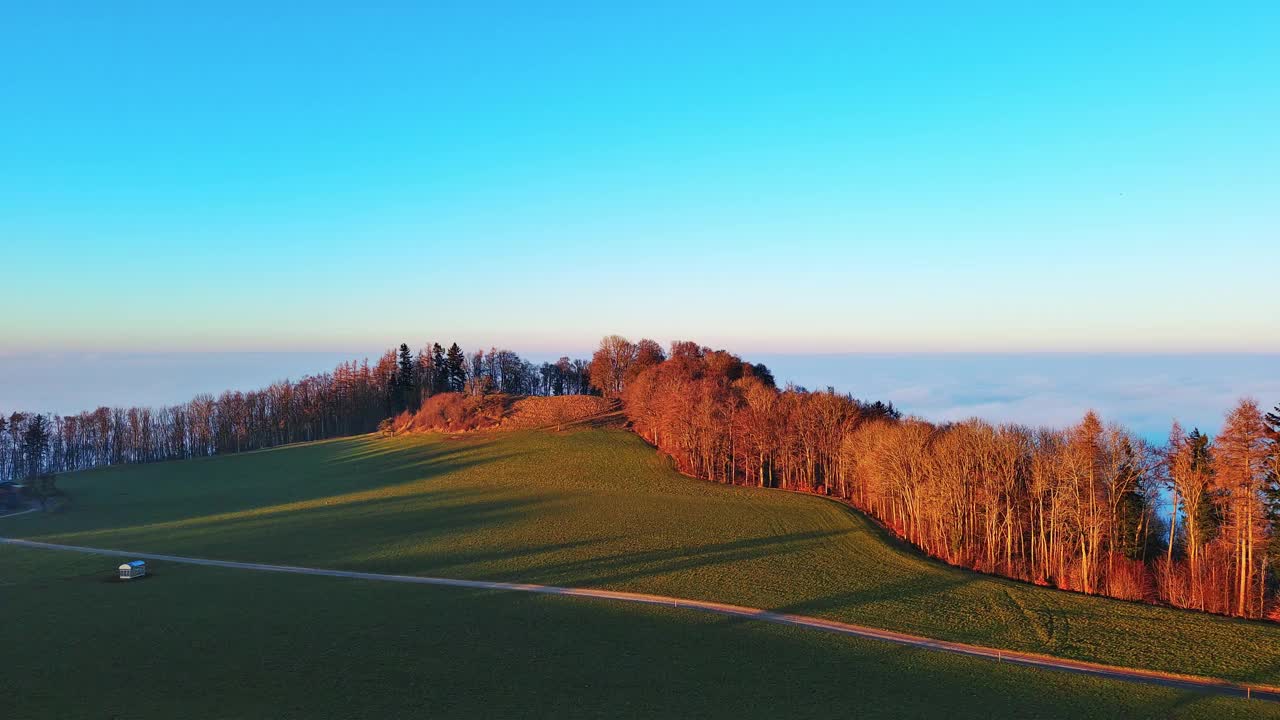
[{"x": 1048, "y": 662}]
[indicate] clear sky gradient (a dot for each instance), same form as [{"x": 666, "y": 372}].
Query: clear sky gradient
[{"x": 786, "y": 177}]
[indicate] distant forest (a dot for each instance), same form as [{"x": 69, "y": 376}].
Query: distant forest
[
  {"x": 1078, "y": 508},
  {"x": 351, "y": 400}
]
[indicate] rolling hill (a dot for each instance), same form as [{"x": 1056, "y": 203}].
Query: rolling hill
[{"x": 587, "y": 508}]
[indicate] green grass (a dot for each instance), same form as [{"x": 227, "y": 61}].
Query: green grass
[
  {"x": 196, "y": 642},
  {"x": 599, "y": 508}
]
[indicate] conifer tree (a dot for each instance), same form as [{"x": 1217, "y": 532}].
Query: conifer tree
[
  {"x": 423, "y": 375},
  {"x": 1131, "y": 534},
  {"x": 456, "y": 368},
  {"x": 35, "y": 444},
  {"x": 1209, "y": 517},
  {"x": 439, "y": 370},
  {"x": 406, "y": 380},
  {"x": 1271, "y": 493}
]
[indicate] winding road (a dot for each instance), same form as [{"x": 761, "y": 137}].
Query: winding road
[{"x": 1150, "y": 677}]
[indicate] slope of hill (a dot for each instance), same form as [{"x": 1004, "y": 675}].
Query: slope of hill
[{"x": 599, "y": 508}]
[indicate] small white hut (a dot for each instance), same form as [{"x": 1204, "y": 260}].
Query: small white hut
[{"x": 133, "y": 570}]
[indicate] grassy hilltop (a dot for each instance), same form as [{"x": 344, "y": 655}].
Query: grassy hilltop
[{"x": 586, "y": 508}]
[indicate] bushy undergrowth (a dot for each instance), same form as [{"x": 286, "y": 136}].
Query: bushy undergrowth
[{"x": 459, "y": 412}]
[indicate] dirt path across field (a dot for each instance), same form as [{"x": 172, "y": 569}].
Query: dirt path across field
[
  {"x": 16, "y": 513},
  {"x": 1150, "y": 677}
]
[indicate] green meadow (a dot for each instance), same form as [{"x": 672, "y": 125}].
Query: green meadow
[
  {"x": 195, "y": 642},
  {"x": 591, "y": 508}
]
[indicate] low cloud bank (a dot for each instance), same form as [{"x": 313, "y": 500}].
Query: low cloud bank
[{"x": 1144, "y": 392}]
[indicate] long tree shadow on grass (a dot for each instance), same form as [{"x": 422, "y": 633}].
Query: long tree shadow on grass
[
  {"x": 615, "y": 570},
  {"x": 248, "y": 480},
  {"x": 468, "y": 560},
  {"x": 238, "y": 505},
  {"x": 843, "y": 603},
  {"x": 858, "y": 606},
  {"x": 361, "y": 519}
]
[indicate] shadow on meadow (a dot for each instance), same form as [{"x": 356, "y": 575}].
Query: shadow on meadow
[
  {"x": 891, "y": 592},
  {"x": 288, "y": 498},
  {"x": 617, "y": 570}
]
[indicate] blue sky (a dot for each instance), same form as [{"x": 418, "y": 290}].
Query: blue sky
[{"x": 904, "y": 177}]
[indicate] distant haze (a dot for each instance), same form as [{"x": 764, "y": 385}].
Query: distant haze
[
  {"x": 70, "y": 382},
  {"x": 1145, "y": 392}
]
